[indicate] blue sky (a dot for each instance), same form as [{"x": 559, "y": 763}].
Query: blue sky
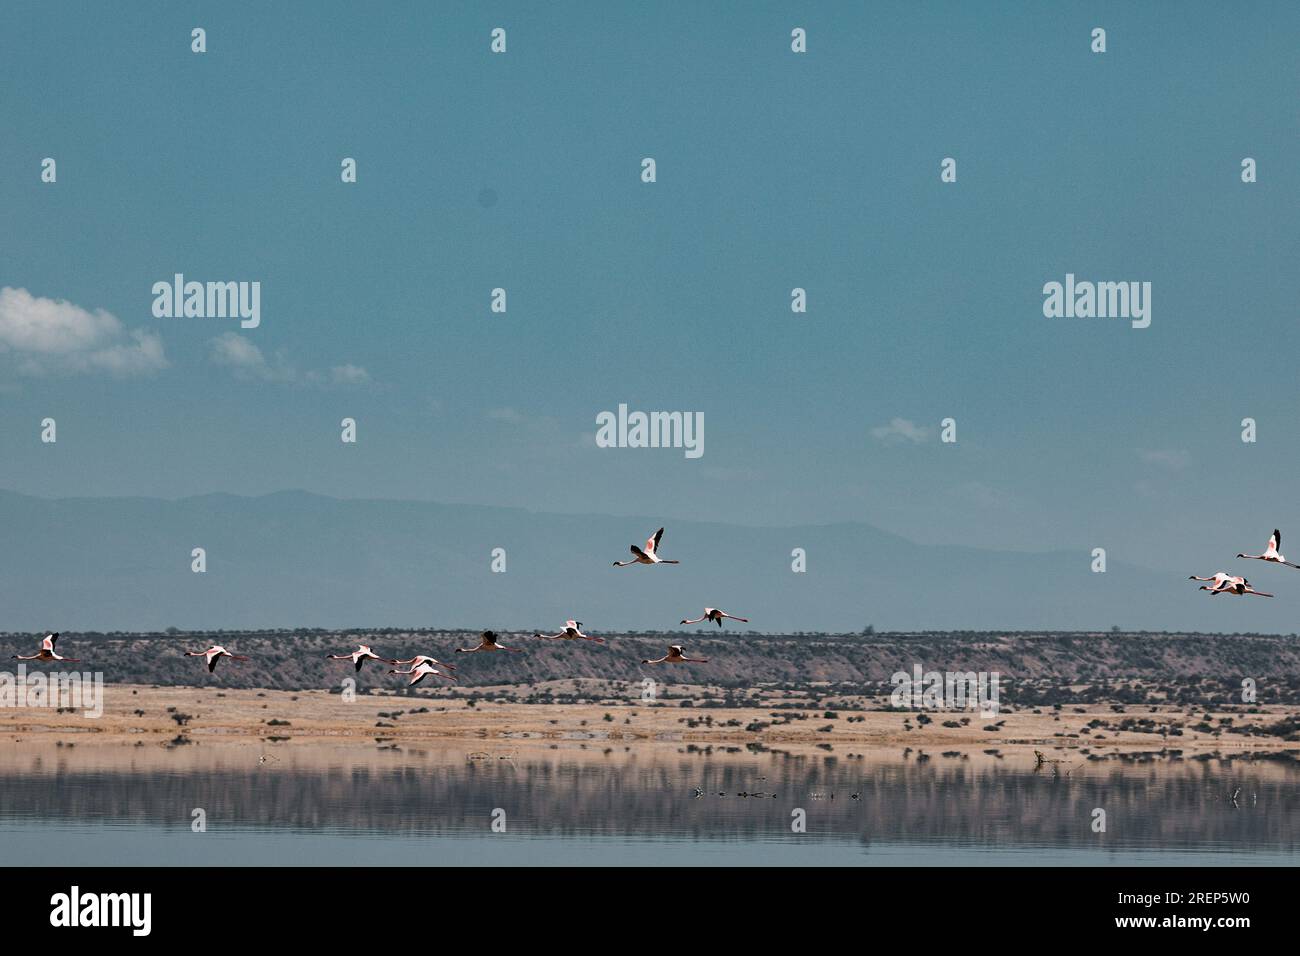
[{"x": 775, "y": 170}]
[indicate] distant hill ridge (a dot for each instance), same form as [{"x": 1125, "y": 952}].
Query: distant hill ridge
[{"x": 298, "y": 660}]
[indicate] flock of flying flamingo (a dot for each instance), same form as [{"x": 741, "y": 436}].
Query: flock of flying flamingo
[
  {"x": 1225, "y": 583},
  {"x": 422, "y": 666}
]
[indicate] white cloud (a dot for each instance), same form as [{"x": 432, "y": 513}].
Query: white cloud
[
  {"x": 984, "y": 496},
  {"x": 901, "y": 430},
  {"x": 144, "y": 353},
  {"x": 242, "y": 356},
  {"x": 542, "y": 427},
  {"x": 234, "y": 350},
  {"x": 239, "y": 354},
  {"x": 54, "y": 335},
  {"x": 348, "y": 375},
  {"x": 511, "y": 416},
  {"x": 1175, "y": 459}
]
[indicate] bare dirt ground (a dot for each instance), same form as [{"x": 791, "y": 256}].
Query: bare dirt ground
[{"x": 161, "y": 714}]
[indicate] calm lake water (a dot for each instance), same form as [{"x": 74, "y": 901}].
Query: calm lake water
[{"x": 311, "y": 803}]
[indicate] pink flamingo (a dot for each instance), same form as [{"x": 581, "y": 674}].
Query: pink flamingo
[
  {"x": 713, "y": 614},
  {"x": 47, "y": 652},
  {"x": 674, "y": 656},
  {"x": 1271, "y": 553},
  {"x": 214, "y": 654},
  {"x": 649, "y": 555},
  {"x": 572, "y": 632},
  {"x": 488, "y": 642},
  {"x": 419, "y": 659},
  {"x": 362, "y": 654},
  {"x": 420, "y": 671}
]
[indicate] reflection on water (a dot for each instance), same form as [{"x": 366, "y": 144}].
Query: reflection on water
[{"x": 323, "y": 803}]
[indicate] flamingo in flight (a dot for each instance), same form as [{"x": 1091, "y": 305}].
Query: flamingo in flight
[
  {"x": 47, "y": 652},
  {"x": 674, "y": 656},
  {"x": 1225, "y": 583},
  {"x": 420, "y": 671},
  {"x": 1240, "y": 586},
  {"x": 715, "y": 615},
  {"x": 1271, "y": 553},
  {"x": 362, "y": 654},
  {"x": 214, "y": 654},
  {"x": 649, "y": 555},
  {"x": 572, "y": 632},
  {"x": 488, "y": 642},
  {"x": 1220, "y": 579},
  {"x": 419, "y": 659}
]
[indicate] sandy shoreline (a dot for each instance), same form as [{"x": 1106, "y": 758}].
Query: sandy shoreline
[{"x": 164, "y": 713}]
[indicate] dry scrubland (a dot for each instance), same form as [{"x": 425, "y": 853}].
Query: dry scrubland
[
  {"x": 1187, "y": 667},
  {"x": 1081, "y": 691}
]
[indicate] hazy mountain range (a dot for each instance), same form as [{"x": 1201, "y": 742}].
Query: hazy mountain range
[{"x": 294, "y": 559}]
